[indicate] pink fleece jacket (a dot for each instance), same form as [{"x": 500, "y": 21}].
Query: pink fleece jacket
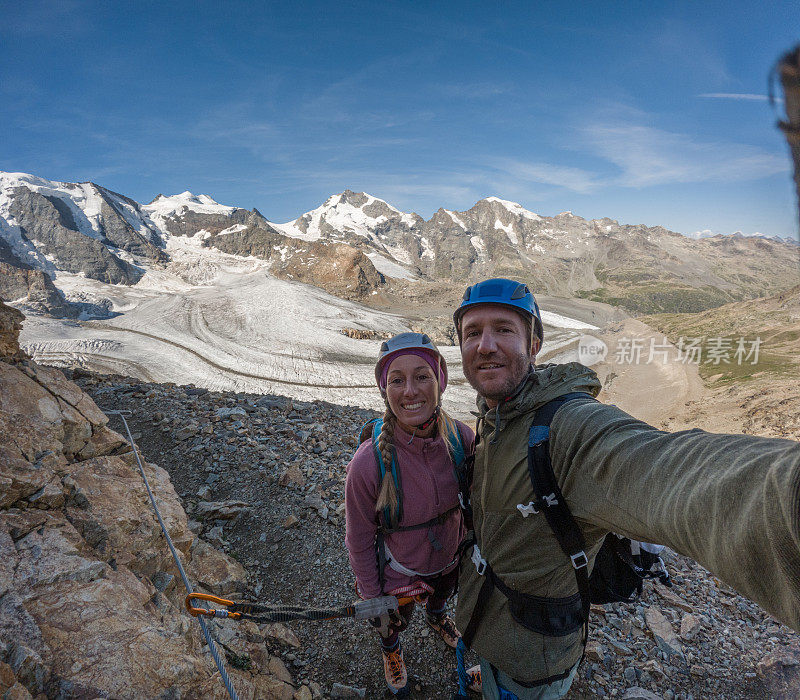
[{"x": 429, "y": 489}]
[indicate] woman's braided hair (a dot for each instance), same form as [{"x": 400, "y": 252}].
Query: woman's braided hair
[{"x": 387, "y": 495}]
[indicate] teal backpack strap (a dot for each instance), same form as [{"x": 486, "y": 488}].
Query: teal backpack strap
[
  {"x": 387, "y": 515},
  {"x": 457, "y": 448}
]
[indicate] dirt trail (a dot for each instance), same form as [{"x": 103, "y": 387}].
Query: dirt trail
[
  {"x": 672, "y": 396},
  {"x": 646, "y": 386}
]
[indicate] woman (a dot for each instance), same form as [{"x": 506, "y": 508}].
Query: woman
[{"x": 404, "y": 523}]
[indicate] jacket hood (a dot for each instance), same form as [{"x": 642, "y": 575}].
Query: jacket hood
[{"x": 542, "y": 384}]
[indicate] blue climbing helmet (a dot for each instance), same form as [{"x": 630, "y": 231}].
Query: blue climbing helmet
[{"x": 501, "y": 291}]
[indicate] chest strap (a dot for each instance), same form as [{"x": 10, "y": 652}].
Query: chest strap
[{"x": 437, "y": 520}]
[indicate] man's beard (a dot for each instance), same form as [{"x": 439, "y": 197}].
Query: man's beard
[{"x": 517, "y": 367}]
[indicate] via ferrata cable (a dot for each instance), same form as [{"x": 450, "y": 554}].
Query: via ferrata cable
[{"x": 211, "y": 645}]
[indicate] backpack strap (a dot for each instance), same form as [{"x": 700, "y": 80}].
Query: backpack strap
[
  {"x": 551, "y": 502},
  {"x": 380, "y": 549},
  {"x": 463, "y": 468},
  {"x": 435, "y": 520},
  {"x": 456, "y": 443}
]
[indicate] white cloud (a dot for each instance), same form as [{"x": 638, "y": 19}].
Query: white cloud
[
  {"x": 687, "y": 49},
  {"x": 575, "y": 179},
  {"x": 649, "y": 156},
  {"x": 738, "y": 96}
]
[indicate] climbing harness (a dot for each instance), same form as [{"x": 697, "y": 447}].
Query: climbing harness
[
  {"x": 392, "y": 562},
  {"x": 206, "y": 633}
]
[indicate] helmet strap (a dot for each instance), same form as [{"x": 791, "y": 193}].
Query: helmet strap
[{"x": 428, "y": 423}]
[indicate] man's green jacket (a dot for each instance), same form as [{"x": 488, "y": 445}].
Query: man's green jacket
[{"x": 730, "y": 502}]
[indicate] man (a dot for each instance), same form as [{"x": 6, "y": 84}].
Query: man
[{"x": 731, "y": 502}]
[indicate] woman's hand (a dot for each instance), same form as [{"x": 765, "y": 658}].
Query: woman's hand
[{"x": 386, "y": 624}]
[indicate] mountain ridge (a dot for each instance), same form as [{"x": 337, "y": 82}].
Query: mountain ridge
[{"x": 356, "y": 245}]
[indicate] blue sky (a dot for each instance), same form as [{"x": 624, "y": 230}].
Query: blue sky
[{"x": 647, "y": 112}]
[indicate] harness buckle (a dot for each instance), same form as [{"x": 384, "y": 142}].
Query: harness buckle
[
  {"x": 579, "y": 560},
  {"x": 530, "y": 509},
  {"x": 478, "y": 560}
]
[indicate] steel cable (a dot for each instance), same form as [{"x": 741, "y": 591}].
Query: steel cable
[{"x": 211, "y": 645}]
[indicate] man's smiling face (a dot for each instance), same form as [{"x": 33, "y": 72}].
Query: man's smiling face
[{"x": 495, "y": 350}]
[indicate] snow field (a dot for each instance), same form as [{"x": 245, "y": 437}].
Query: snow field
[{"x": 388, "y": 268}]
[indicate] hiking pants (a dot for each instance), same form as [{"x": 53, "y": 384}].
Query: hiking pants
[
  {"x": 443, "y": 586},
  {"x": 498, "y": 685}
]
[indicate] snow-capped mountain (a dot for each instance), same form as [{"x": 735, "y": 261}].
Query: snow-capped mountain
[
  {"x": 707, "y": 233},
  {"x": 78, "y": 228},
  {"x": 355, "y": 213},
  {"x": 354, "y": 245}
]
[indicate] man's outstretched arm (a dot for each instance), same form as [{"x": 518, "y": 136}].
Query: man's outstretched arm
[{"x": 731, "y": 502}]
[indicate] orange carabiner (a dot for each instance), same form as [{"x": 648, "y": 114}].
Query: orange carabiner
[{"x": 210, "y": 612}]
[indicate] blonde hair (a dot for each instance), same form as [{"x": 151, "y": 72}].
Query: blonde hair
[{"x": 388, "y": 496}]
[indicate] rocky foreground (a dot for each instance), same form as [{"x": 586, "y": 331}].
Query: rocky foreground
[
  {"x": 262, "y": 478},
  {"x": 90, "y": 605},
  {"x": 90, "y": 602}
]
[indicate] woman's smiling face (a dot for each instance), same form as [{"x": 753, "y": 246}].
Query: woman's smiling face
[{"x": 412, "y": 392}]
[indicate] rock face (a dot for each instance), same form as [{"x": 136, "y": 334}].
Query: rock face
[
  {"x": 86, "y": 605},
  {"x": 75, "y": 227},
  {"x": 10, "y": 326},
  {"x": 338, "y": 268},
  {"x": 119, "y": 232},
  {"x": 19, "y": 280},
  {"x": 188, "y": 222},
  {"x": 44, "y": 220}
]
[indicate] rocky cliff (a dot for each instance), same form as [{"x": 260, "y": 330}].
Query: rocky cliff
[
  {"x": 338, "y": 268},
  {"x": 90, "y": 601},
  {"x": 19, "y": 280},
  {"x": 51, "y": 224}
]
